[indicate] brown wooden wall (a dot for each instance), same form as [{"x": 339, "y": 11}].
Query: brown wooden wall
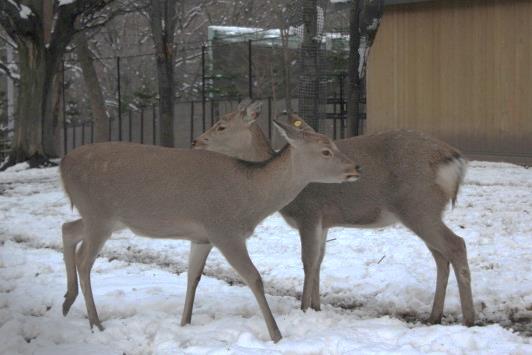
[{"x": 459, "y": 69}]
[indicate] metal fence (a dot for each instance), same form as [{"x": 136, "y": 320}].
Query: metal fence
[
  {"x": 222, "y": 74},
  {"x": 193, "y": 117}
]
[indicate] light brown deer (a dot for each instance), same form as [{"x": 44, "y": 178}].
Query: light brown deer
[
  {"x": 208, "y": 198},
  {"x": 407, "y": 177}
]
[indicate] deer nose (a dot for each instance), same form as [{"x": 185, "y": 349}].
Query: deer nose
[
  {"x": 193, "y": 143},
  {"x": 358, "y": 168}
]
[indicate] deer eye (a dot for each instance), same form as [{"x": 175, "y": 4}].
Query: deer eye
[
  {"x": 220, "y": 128},
  {"x": 326, "y": 153}
]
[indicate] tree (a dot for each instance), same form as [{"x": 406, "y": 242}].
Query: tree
[
  {"x": 282, "y": 18},
  {"x": 94, "y": 90},
  {"x": 163, "y": 21},
  {"x": 41, "y": 30},
  {"x": 365, "y": 16},
  {"x": 309, "y": 77}
]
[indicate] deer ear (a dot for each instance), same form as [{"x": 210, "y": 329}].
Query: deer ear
[
  {"x": 291, "y": 134},
  {"x": 252, "y": 112},
  {"x": 243, "y": 105},
  {"x": 295, "y": 121}
]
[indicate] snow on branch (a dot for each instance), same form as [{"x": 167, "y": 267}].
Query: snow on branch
[
  {"x": 24, "y": 11},
  {"x": 11, "y": 70},
  {"x": 65, "y": 2}
]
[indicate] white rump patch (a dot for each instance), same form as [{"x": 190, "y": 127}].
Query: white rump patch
[{"x": 450, "y": 176}]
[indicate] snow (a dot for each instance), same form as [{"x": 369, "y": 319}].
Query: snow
[
  {"x": 363, "y": 52},
  {"x": 66, "y": 2},
  {"x": 24, "y": 11},
  {"x": 376, "y": 285}
]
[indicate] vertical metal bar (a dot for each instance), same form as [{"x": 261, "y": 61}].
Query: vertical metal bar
[
  {"x": 74, "y": 137},
  {"x": 203, "y": 93},
  {"x": 83, "y": 133},
  {"x": 92, "y": 132},
  {"x": 250, "y": 71},
  {"x": 119, "y": 99},
  {"x": 270, "y": 118},
  {"x": 129, "y": 135},
  {"x": 191, "y": 121},
  {"x": 334, "y": 116},
  {"x": 142, "y": 126},
  {"x": 212, "y": 113},
  {"x": 342, "y": 112},
  {"x": 65, "y": 132},
  {"x": 154, "y": 124}
]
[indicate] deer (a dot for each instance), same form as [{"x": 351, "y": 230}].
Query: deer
[
  {"x": 407, "y": 177},
  {"x": 208, "y": 198}
]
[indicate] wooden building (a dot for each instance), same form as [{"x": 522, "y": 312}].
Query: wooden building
[{"x": 458, "y": 69}]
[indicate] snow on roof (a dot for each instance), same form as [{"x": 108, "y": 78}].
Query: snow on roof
[{"x": 265, "y": 37}]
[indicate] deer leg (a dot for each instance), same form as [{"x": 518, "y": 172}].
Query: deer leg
[
  {"x": 196, "y": 263},
  {"x": 315, "y": 303},
  {"x": 442, "y": 276},
  {"x": 72, "y": 235},
  {"x": 457, "y": 254},
  {"x": 85, "y": 257},
  {"x": 312, "y": 250},
  {"x": 452, "y": 248},
  {"x": 237, "y": 255}
]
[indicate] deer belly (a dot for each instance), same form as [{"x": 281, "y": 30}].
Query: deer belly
[
  {"x": 176, "y": 230},
  {"x": 377, "y": 218}
]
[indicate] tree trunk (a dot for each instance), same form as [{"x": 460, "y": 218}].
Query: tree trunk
[
  {"x": 165, "y": 74},
  {"x": 35, "y": 130},
  {"x": 364, "y": 23},
  {"x": 163, "y": 20},
  {"x": 51, "y": 88},
  {"x": 49, "y": 117},
  {"x": 27, "y": 141},
  {"x": 309, "y": 77},
  {"x": 94, "y": 90}
]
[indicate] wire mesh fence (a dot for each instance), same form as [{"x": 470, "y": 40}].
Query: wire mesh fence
[{"x": 210, "y": 80}]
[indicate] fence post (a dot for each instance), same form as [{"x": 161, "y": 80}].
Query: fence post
[
  {"x": 154, "y": 124},
  {"x": 83, "y": 133},
  {"x": 119, "y": 99},
  {"x": 250, "y": 71},
  {"x": 74, "y": 137},
  {"x": 334, "y": 115},
  {"x": 342, "y": 112},
  {"x": 212, "y": 113},
  {"x": 129, "y": 135},
  {"x": 203, "y": 97},
  {"x": 92, "y": 132},
  {"x": 191, "y": 121},
  {"x": 142, "y": 125},
  {"x": 270, "y": 118},
  {"x": 65, "y": 132}
]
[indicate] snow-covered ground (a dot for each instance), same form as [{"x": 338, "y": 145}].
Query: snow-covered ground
[{"x": 377, "y": 285}]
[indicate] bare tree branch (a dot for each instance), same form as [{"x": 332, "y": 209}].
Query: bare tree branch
[{"x": 7, "y": 70}]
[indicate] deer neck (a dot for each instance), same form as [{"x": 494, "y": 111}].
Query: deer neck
[
  {"x": 277, "y": 181},
  {"x": 260, "y": 149}
]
